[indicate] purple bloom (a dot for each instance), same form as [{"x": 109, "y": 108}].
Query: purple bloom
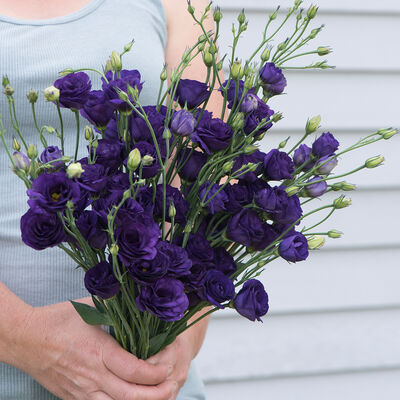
[
  {"x": 100, "y": 281},
  {"x": 191, "y": 93},
  {"x": 213, "y": 136},
  {"x": 93, "y": 228},
  {"x": 52, "y": 153},
  {"x": 255, "y": 117},
  {"x": 182, "y": 123},
  {"x": 325, "y": 145},
  {"x": 111, "y": 131},
  {"x": 273, "y": 79},
  {"x": 247, "y": 228},
  {"x": 97, "y": 109},
  {"x": 110, "y": 153},
  {"x": 238, "y": 196},
  {"x": 218, "y": 288},
  {"x": 179, "y": 264},
  {"x": 40, "y": 231},
  {"x": 172, "y": 196},
  {"x": 94, "y": 177},
  {"x": 74, "y": 90},
  {"x": 149, "y": 271},
  {"x": 324, "y": 166},
  {"x": 250, "y": 103},
  {"x": 216, "y": 198},
  {"x": 278, "y": 165},
  {"x": 190, "y": 164},
  {"x": 131, "y": 78},
  {"x": 51, "y": 192},
  {"x": 301, "y": 155},
  {"x": 147, "y": 149},
  {"x": 257, "y": 157},
  {"x": 166, "y": 299},
  {"x": 21, "y": 161},
  {"x": 316, "y": 189},
  {"x": 294, "y": 247},
  {"x": 252, "y": 300},
  {"x": 232, "y": 90},
  {"x": 224, "y": 262},
  {"x": 136, "y": 238},
  {"x": 199, "y": 250}
]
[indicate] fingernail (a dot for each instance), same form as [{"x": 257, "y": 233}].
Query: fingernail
[
  {"x": 170, "y": 369},
  {"x": 175, "y": 388}
]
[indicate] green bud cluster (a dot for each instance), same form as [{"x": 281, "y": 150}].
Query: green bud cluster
[
  {"x": 32, "y": 96},
  {"x": 374, "y": 162},
  {"x": 334, "y": 234},
  {"x": 313, "y": 124},
  {"x": 346, "y": 186},
  {"x": 387, "y": 133},
  {"x": 341, "y": 202}
]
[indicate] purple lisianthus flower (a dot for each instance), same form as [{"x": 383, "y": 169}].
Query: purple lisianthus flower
[
  {"x": 278, "y": 165},
  {"x": 247, "y": 228},
  {"x": 94, "y": 177},
  {"x": 97, "y": 109},
  {"x": 74, "y": 90},
  {"x": 213, "y": 136},
  {"x": 172, "y": 196},
  {"x": 190, "y": 164},
  {"x": 257, "y": 157},
  {"x": 255, "y": 117},
  {"x": 111, "y": 131},
  {"x": 127, "y": 77},
  {"x": 294, "y": 247},
  {"x": 252, "y": 300},
  {"x": 41, "y": 231},
  {"x": 51, "y": 192},
  {"x": 230, "y": 95},
  {"x": 52, "y": 153},
  {"x": 326, "y": 164},
  {"x": 224, "y": 262},
  {"x": 215, "y": 197},
  {"x": 147, "y": 149},
  {"x": 145, "y": 199},
  {"x": 21, "y": 161},
  {"x": 101, "y": 281},
  {"x": 93, "y": 227},
  {"x": 191, "y": 93},
  {"x": 149, "y": 271},
  {"x": 109, "y": 153},
  {"x": 136, "y": 238},
  {"x": 166, "y": 299},
  {"x": 289, "y": 212},
  {"x": 179, "y": 263},
  {"x": 238, "y": 196},
  {"x": 301, "y": 155},
  {"x": 182, "y": 123},
  {"x": 218, "y": 288},
  {"x": 325, "y": 145},
  {"x": 316, "y": 189},
  {"x": 272, "y": 78},
  {"x": 250, "y": 103}
]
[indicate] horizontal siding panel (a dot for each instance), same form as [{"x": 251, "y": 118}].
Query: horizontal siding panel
[
  {"x": 300, "y": 344},
  {"x": 366, "y": 386},
  {"x": 342, "y": 6},
  {"x": 341, "y": 32},
  {"x": 331, "y": 281}
]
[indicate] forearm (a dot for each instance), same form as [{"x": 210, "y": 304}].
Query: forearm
[{"x": 14, "y": 314}]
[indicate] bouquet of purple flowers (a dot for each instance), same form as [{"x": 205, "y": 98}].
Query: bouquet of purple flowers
[{"x": 154, "y": 255}]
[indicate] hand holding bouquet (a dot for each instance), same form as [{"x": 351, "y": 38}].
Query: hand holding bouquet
[{"x": 154, "y": 254}]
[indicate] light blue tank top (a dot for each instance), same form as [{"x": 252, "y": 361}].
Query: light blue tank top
[{"x": 31, "y": 54}]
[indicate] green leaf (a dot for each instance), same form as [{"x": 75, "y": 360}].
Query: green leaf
[
  {"x": 99, "y": 305},
  {"x": 91, "y": 315},
  {"x": 157, "y": 343}
]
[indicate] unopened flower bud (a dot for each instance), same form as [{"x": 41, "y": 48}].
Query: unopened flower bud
[
  {"x": 315, "y": 242},
  {"x": 208, "y": 58},
  {"x": 172, "y": 210},
  {"x": 202, "y": 38},
  {"x": 238, "y": 121},
  {"x": 186, "y": 56},
  {"x": 74, "y": 170},
  {"x": 183, "y": 123},
  {"x": 281, "y": 46},
  {"x": 341, "y": 202},
  {"x": 133, "y": 92},
  {"x": 123, "y": 95},
  {"x": 32, "y": 151},
  {"x": 220, "y": 64},
  {"x": 32, "y": 96},
  {"x": 313, "y": 124},
  {"x": 66, "y": 72},
  {"x": 374, "y": 162},
  {"x": 387, "y": 133},
  {"x": 213, "y": 48},
  {"x": 167, "y": 134},
  {"x": 249, "y": 103},
  {"x": 21, "y": 161},
  {"x": 217, "y": 14},
  {"x": 8, "y": 90},
  {"x": 251, "y": 167},
  {"x": 128, "y": 46},
  {"x": 227, "y": 167},
  {"x": 134, "y": 159},
  {"x": 164, "y": 75},
  {"x": 49, "y": 129},
  {"x": 5, "y": 81},
  {"x": 262, "y": 263},
  {"x": 274, "y": 14},
  {"x": 312, "y": 12},
  {"x": 297, "y": 4},
  {"x": 51, "y": 93},
  {"x": 126, "y": 194},
  {"x": 283, "y": 143},
  {"x": 114, "y": 249},
  {"x": 70, "y": 205},
  {"x": 314, "y": 33},
  {"x": 291, "y": 190},
  {"x": 115, "y": 60},
  {"x": 334, "y": 234},
  {"x": 277, "y": 117},
  {"x": 190, "y": 9},
  {"x": 266, "y": 54},
  {"x": 95, "y": 144},
  {"x": 201, "y": 46},
  {"x": 346, "y": 186},
  {"x": 323, "y": 51},
  {"x": 88, "y": 132},
  {"x": 147, "y": 160},
  {"x": 237, "y": 70},
  {"x": 241, "y": 18},
  {"x": 250, "y": 149},
  {"x": 108, "y": 66},
  {"x": 15, "y": 145}
]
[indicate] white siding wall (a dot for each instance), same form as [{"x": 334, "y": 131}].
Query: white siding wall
[{"x": 333, "y": 331}]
